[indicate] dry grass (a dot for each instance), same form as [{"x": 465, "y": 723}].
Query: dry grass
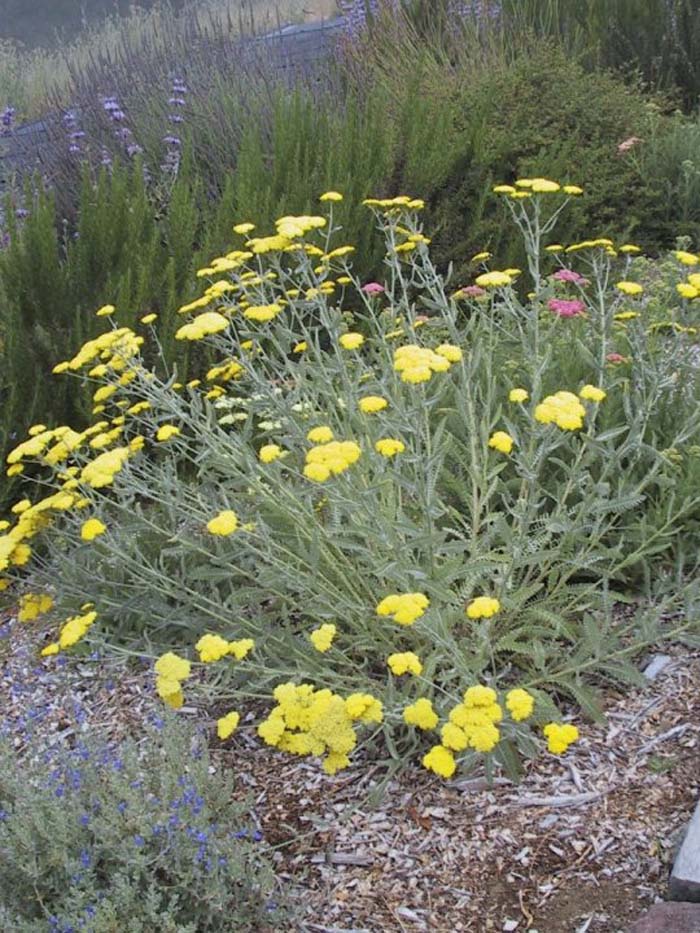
[{"x": 29, "y": 79}]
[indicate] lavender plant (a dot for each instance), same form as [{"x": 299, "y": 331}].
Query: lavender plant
[{"x": 139, "y": 836}]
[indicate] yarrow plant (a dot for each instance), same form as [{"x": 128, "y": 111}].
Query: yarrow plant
[{"x": 400, "y": 513}]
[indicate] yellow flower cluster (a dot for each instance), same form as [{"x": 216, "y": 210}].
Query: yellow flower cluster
[
  {"x": 331, "y": 458},
  {"x": 72, "y": 631},
  {"x": 405, "y": 662},
  {"x": 397, "y": 204},
  {"x": 262, "y": 313},
  {"x": 472, "y": 724},
  {"x": 225, "y": 372},
  {"x": 351, "y": 341},
  {"x": 204, "y": 325},
  {"x": 223, "y": 524},
  {"x": 494, "y": 279},
  {"x": 115, "y": 347},
  {"x": 559, "y": 736},
  {"x": 524, "y": 187},
  {"x": 501, "y": 441},
  {"x": 520, "y": 704},
  {"x": 404, "y": 608},
  {"x": 562, "y": 409},
  {"x": 483, "y": 607},
  {"x": 92, "y": 529},
  {"x": 270, "y": 452},
  {"x": 33, "y": 605},
  {"x": 371, "y": 404},
  {"x": 592, "y": 393},
  {"x": 320, "y": 435},
  {"x": 102, "y": 470},
  {"x": 171, "y": 670},
  {"x": 307, "y": 721},
  {"x": 389, "y": 446},
  {"x": 417, "y": 364},
  {"x": 630, "y": 288},
  {"x": 213, "y": 648},
  {"x": 691, "y": 288},
  {"x": 421, "y": 714},
  {"x": 322, "y": 637},
  {"x": 227, "y": 725}
]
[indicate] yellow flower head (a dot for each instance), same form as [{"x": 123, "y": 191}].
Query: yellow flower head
[
  {"x": 241, "y": 649},
  {"x": 270, "y": 452},
  {"x": 262, "y": 313},
  {"x": 331, "y": 196},
  {"x": 370, "y": 404},
  {"x": 322, "y": 637},
  {"x": 320, "y": 435},
  {"x": 518, "y": 395},
  {"x": 365, "y": 707},
  {"x": 166, "y": 431},
  {"x": 483, "y": 607},
  {"x": 421, "y": 714},
  {"x": 212, "y": 648},
  {"x": 629, "y": 288},
  {"x": 172, "y": 666},
  {"x": 351, "y": 341},
  {"x": 520, "y": 704},
  {"x": 404, "y": 608},
  {"x": 687, "y": 259},
  {"x": 33, "y": 605},
  {"x": 227, "y": 725},
  {"x": 592, "y": 393},
  {"x": 223, "y": 524},
  {"x": 544, "y": 186},
  {"x": 92, "y": 529},
  {"x": 405, "y": 662},
  {"x": 563, "y": 409},
  {"x": 501, "y": 441},
  {"x": 559, "y": 736},
  {"x": 494, "y": 280},
  {"x": 389, "y": 446},
  {"x": 440, "y": 760},
  {"x": 451, "y": 353},
  {"x": 331, "y": 459}
]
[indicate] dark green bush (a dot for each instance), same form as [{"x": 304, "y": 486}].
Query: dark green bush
[
  {"x": 137, "y": 837},
  {"x": 659, "y": 38},
  {"x": 542, "y": 114}
]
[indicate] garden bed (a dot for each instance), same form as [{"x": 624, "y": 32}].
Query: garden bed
[{"x": 583, "y": 843}]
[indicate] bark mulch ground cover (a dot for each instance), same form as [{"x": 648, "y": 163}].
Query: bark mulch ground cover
[{"x": 582, "y": 845}]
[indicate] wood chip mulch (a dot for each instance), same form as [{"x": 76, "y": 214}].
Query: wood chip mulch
[{"x": 582, "y": 845}]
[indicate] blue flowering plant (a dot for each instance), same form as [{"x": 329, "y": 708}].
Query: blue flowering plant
[{"x": 143, "y": 837}]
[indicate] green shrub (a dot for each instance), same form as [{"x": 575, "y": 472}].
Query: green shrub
[
  {"x": 470, "y": 494},
  {"x": 137, "y": 836},
  {"x": 540, "y": 112},
  {"x": 660, "y": 38}
]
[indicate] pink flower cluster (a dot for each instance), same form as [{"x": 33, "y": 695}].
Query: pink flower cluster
[
  {"x": 568, "y": 275},
  {"x": 564, "y": 307}
]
